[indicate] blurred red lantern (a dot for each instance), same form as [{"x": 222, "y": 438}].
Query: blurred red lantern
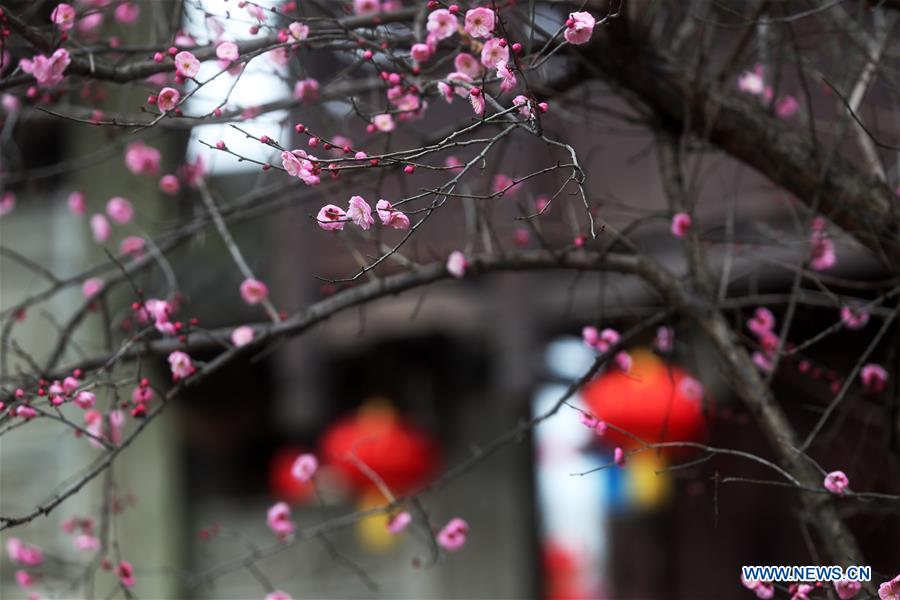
[
  {"x": 376, "y": 436},
  {"x": 282, "y": 484},
  {"x": 656, "y": 401}
]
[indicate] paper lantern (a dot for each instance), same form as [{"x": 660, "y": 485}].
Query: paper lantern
[
  {"x": 656, "y": 401},
  {"x": 402, "y": 455}
]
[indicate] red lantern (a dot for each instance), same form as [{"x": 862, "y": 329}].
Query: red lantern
[
  {"x": 377, "y": 438},
  {"x": 655, "y": 401}
]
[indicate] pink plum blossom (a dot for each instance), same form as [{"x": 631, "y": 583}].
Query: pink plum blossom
[
  {"x": 465, "y": 63},
  {"x": 24, "y": 579},
  {"x": 86, "y": 543},
  {"x": 524, "y": 106},
  {"x": 193, "y": 172},
  {"x": 579, "y": 28},
  {"x": 88, "y": 24},
  {"x": 442, "y": 24},
  {"x": 360, "y": 212},
  {"x": 457, "y": 264},
  {"x": 665, "y": 340},
  {"x": 48, "y": 72},
  {"x": 384, "y": 122},
  {"x": 836, "y": 482},
  {"x": 125, "y": 573},
  {"x": 619, "y": 456},
  {"x": 120, "y": 210},
  {"x": 280, "y": 56},
  {"x": 854, "y": 318},
  {"x": 76, "y": 203},
  {"x": 91, "y": 287},
  {"x": 453, "y": 535},
  {"x": 306, "y": 90},
  {"x": 256, "y": 11},
  {"x": 752, "y": 82},
  {"x": 847, "y": 589},
  {"x": 227, "y": 51},
  {"x": 763, "y": 361},
  {"x": 420, "y": 52},
  {"x": 503, "y": 184},
  {"x": 874, "y": 378},
  {"x": 299, "y": 31},
  {"x": 390, "y": 216},
  {"x": 142, "y": 159},
  {"x": 100, "y": 228},
  {"x": 331, "y": 218},
  {"x": 493, "y": 53},
  {"x": 181, "y": 365},
  {"x": 801, "y": 591},
  {"x": 822, "y": 255},
  {"x": 142, "y": 395},
  {"x": 254, "y": 291},
  {"x": 23, "y": 554},
  {"x": 448, "y": 90},
  {"x": 587, "y": 419},
  {"x": 691, "y": 388},
  {"x": 26, "y": 412},
  {"x": 186, "y": 64},
  {"x": 765, "y": 590},
  {"x": 297, "y": 164},
  {"x": 590, "y": 335},
  {"x": 63, "y": 16},
  {"x": 479, "y": 22},
  {"x": 70, "y": 384},
  {"x": 763, "y": 321},
  {"x": 127, "y": 12},
  {"x": 9, "y": 102},
  {"x": 366, "y": 7},
  {"x": 476, "y": 99},
  {"x": 623, "y": 361},
  {"x": 168, "y": 99},
  {"x": 786, "y": 107},
  {"x": 398, "y": 522},
  {"x": 890, "y": 590},
  {"x": 85, "y": 399},
  {"x": 507, "y": 77},
  {"x": 304, "y": 467},
  {"x": 601, "y": 341},
  {"x": 116, "y": 422},
  {"x": 278, "y": 595},
  {"x": 681, "y": 222},
  {"x": 169, "y": 185},
  {"x": 279, "y": 519},
  {"x": 241, "y": 336},
  {"x": 7, "y": 203}
]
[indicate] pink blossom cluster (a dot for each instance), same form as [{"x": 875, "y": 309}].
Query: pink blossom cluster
[
  {"x": 299, "y": 164},
  {"x": 47, "y": 71},
  {"x": 762, "y": 325},
  {"x": 602, "y": 341},
  {"x": 359, "y": 212},
  {"x": 593, "y": 423},
  {"x": 822, "y": 253},
  {"x": 763, "y": 589},
  {"x": 83, "y": 529},
  {"x": 102, "y": 428}
]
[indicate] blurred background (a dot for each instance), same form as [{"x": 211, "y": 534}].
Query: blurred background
[{"x": 432, "y": 377}]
